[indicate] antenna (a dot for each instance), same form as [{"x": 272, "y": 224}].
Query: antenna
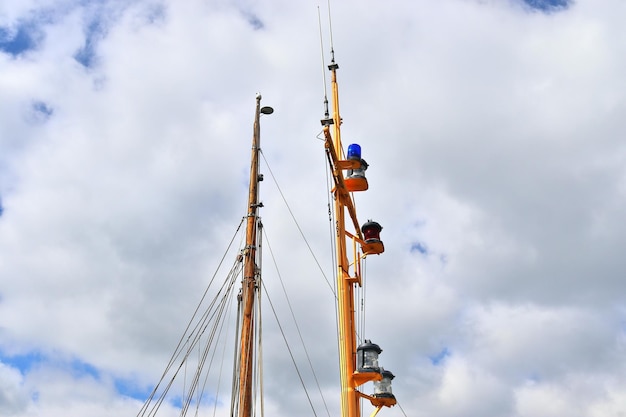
[
  {"x": 330, "y": 27},
  {"x": 319, "y": 21},
  {"x": 327, "y": 120}
]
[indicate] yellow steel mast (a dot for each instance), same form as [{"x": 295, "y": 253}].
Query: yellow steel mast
[{"x": 349, "y": 271}]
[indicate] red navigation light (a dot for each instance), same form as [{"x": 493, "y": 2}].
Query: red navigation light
[
  {"x": 371, "y": 235},
  {"x": 371, "y": 231}
]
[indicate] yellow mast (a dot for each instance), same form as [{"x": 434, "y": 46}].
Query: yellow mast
[{"x": 348, "y": 273}]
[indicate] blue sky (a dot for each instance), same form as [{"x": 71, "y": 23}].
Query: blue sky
[
  {"x": 18, "y": 42},
  {"x": 87, "y": 54},
  {"x": 27, "y": 363},
  {"x": 26, "y": 35},
  {"x": 548, "y": 5}
]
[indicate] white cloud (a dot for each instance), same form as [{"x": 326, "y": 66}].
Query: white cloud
[
  {"x": 494, "y": 138},
  {"x": 13, "y": 399}
]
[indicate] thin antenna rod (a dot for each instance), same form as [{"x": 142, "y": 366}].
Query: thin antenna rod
[
  {"x": 330, "y": 26},
  {"x": 319, "y": 20}
]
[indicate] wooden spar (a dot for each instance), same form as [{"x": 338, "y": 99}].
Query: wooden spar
[{"x": 249, "y": 285}]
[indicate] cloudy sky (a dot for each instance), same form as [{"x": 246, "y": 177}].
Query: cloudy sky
[{"x": 494, "y": 131}]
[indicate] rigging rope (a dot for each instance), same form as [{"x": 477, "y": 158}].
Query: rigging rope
[
  {"x": 186, "y": 338},
  {"x": 219, "y": 378},
  {"x": 218, "y": 324},
  {"x": 293, "y": 360},
  {"x": 401, "y": 409},
  {"x": 331, "y": 222},
  {"x": 293, "y": 316},
  {"x": 191, "y": 342},
  {"x": 363, "y": 299},
  {"x": 333, "y": 243},
  {"x": 212, "y": 322},
  {"x": 260, "y": 335},
  {"x": 234, "y": 391},
  {"x": 297, "y": 224}
]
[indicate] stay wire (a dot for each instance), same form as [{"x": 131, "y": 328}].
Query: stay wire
[
  {"x": 331, "y": 221},
  {"x": 401, "y": 409},
  {"x": 219, "y": 378},
  {"x": 333, "y": 243},
  {"x": 197, "y": 332},
  {"x": 297, "y": 224},
  {"x": 176, "y": 353},
  {"x": 364, "y": 297},
  {"x": 260, "y": 321},
  {"x": 234, "y": 404},
  {"x": 295, "y": 321},
  {"x": 207, "y": 319},
  {"x": 191, "y": 345},
  {"x": 293, "y": 360},
  {"x": 217, "y": 329}
]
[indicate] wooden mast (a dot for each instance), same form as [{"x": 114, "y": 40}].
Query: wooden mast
[{"x": 250, "y": 275}]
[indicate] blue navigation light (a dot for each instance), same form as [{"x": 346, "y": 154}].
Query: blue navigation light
[{"x": 354, "y": 151}]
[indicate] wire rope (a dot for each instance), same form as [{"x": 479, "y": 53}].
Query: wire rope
[
  {"x": 191, "y": 345},
  {"x": 189, "y": 337},
  {"x": 207, "y": 319},
  {"x": 401, "y": 409},
  {"x": 297, "y": 224},
  {"x": 219, "y": 378},
  {"x": 260, "y": 321},
  {"x": 293, "y": 316},
  {"x": 293, "y": 360},
  {"x": 363, "y": 298},
  {"x": 332, "y": 287},
  {"x": 218, "y": 325},
  {"x": 333, "y": 243},
  {"x": 234, "y": 405},
  {"x": 176, "y": 353}
]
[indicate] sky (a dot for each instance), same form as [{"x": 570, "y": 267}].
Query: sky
[{"x": 494, "y": 134}]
